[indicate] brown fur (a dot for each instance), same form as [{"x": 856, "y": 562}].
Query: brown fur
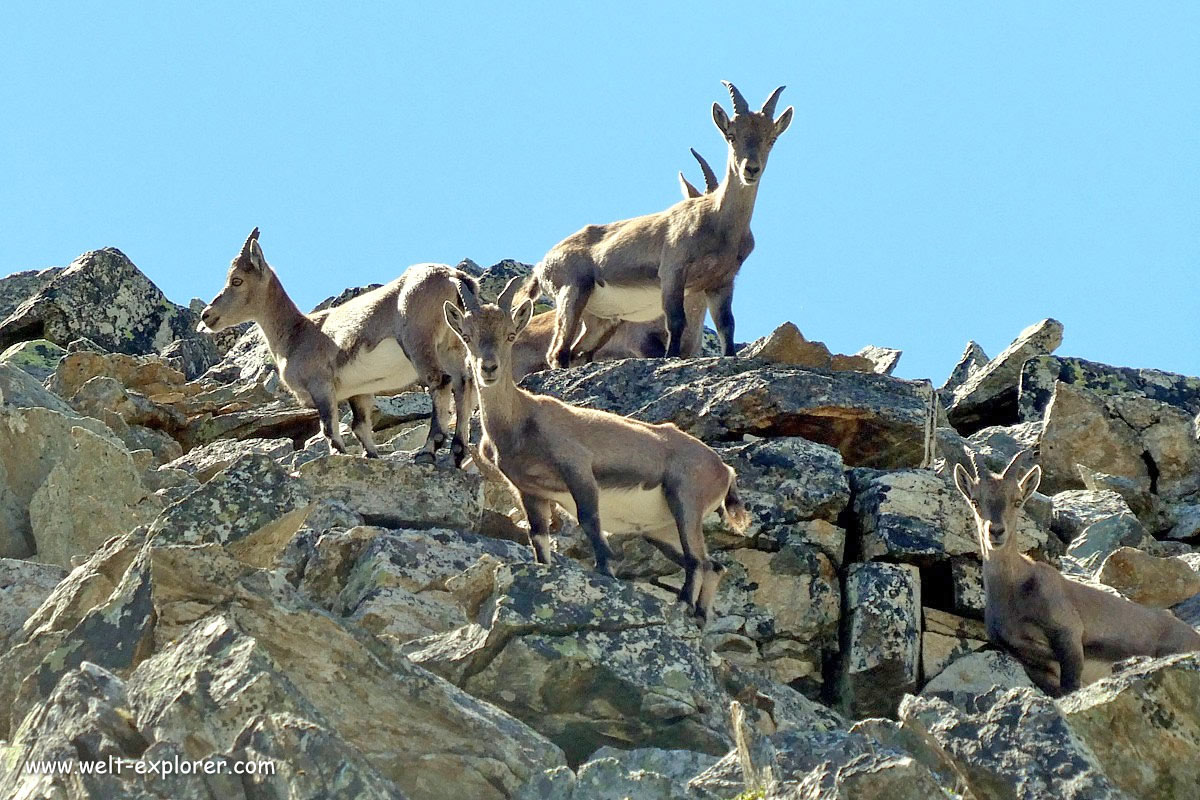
[
  {"x": 1055, "y": 626},
  {"x": 317, "y": 353},
  {"x": 695, "y": 246},
  {"x": 552, "y": 452}
]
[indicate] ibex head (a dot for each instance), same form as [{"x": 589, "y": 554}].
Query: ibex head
[
  {"x": 488, "y": 331},
  {"x": 994, "y": 499},
  {"x": 244, "y": 293},
  {"x": 750, "y": 133}
]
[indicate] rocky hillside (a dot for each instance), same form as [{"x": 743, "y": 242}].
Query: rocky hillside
[{"x": 184, "y": 582}]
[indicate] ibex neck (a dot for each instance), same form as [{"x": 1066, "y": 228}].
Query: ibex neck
[
  {"x": 499, "y": 405},
  {"x": 734, "y": 200},
  {"x": 280, "y": 319},
  {"x": 1002, "y": 566}
]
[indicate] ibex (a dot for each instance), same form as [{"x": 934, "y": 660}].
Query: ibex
[
  {"x": 381, "y": 341},
  {"x": 638, "y": 269},
  {"x": 613, "y": 474},
  {"x": 623, "y": 340},
  {"x": 1055, "y": 626}
]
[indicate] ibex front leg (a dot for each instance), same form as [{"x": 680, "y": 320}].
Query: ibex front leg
[
  {"x": 673, "y": 285},
  {"x": 720, "y": 305}
]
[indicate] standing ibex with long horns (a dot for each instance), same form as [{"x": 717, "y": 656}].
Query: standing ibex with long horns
[
  {"x": 625, "y": 339},
  {"x": 613, "y": 474},
  {"x": 638, "y": 269},
  {"x": 380, "y": 341}
]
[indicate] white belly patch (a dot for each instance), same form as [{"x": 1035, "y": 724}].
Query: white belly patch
[
  {"x": 384, "y": 368},
  {"x": 632, "y": 303},
  {"x": 632, "y": 510}
]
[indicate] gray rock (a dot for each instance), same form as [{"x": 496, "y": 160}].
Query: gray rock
[
  {"x": 1144, "y": 725},
  {"x": 427, "y": 736},
  {"x": 998, "y": 444},
  {"x": 253, "y": 507},
  {"x": 1136, "y": 493},
  {"x": 966, "y": 575},
  {"x": 280, "y": 419},
  {"x": 192, "y": 356},
  {"x": 37, "y": 357},
  {"x": 788, "y": 480},
  {"x": 1149, "y": 580},
  {"x": 978, "y": 673},
  {"x": 989, "y": 395},
  {"x": 1185, "y": 521},
  {"x": 973, "y": 359},
  {"x": 93, "y": 493},
  {"x": 1100, "y": 539},
  {"x": 1079, "y": 431},
  {"x": 1010, "y": 743},
  {"x": 1039, "y": 375},
  {"x": 19, "y": 389},
  {"x": 882, "y": 644},
  {"x": 20, "y": 286},
  {"x": 33, "y": 441},
  {"x": 23, "y": 587},
  {"x": 873, "y": 420},
  {"x": 600, "y": 660},
  {"x": 1168, "y": 435},
  {"x": 396, "y": 493},
  {"x": 945, "y": 638},
  {"x": 1076, "y": 509},
  {"x": 884, "y": 358},
  {"x": 104, "y": 297},
  {"x": 919, "y": 517},
  {"x": 206, "y": 461}
]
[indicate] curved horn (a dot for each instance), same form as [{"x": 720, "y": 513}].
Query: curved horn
[
  {"x": 253, "y": 237},
  {"x": 466, "y": 293},
  {"x": 710, "y": 177},
  {"x": 768, "y": 108},
  {"x": 740, "y": 106},
  {"x": 1017, "y": 460},
  {"x": 505, "y": 298}
]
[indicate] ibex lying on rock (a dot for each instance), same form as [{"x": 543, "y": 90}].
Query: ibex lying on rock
[
  {"x": 611, "y": 473},
  {"x": 600, "y": 341},
  {"x": 639, "y": 268},
  {"x": 1053, "y": 625},
  {"x": 381, "y": 341}
]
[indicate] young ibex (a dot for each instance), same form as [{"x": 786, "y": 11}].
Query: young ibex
[
  {"x": 622, "y": 340},
  {"x": 611, "y": 473},
  {"x": 1056, "y": 627},
  {"x": 381, "y": 341},
  {"x": 638, "y": 269}
]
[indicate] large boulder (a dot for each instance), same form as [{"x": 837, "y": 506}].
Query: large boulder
[
  {"x": 1147, "y": 579},
  {"x": 394, "y": 492},
  {"x": 1039, "y": 376},
  {"x": 873, "y": 420},
  {"x": 978, "y": 673},
  {"x": 20, "y": 286},
  {"x": 38, "y": 357},
  {"x": 882, "y": 644},
  {"x": 788, "y": 480},
  {"x": 19, "y": 389},
  {"x": 973, "y": 359},
  {"x": 93, "y": 493},
  {"x": 104, "y": 297},
  {"x": 204, "y": 462},
  {"x": 601, "y": 662},
  {"x": 1010, "y": 744},
  {"x": 24, "y": 585},
  {"x": 1079, "y": 430},
  {"x": 989, "y": 395},
  {"x": 918, "y": 517},
  {"x": 946, "y": 638},
  {"x": 1144, "y": 725}
]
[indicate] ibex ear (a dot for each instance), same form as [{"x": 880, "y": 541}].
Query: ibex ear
[
  {"x": 523, "y": 314},
  {"x": 964, "y": 482},
  {"x": 687, "y": 189},
  {"x": 454, "y": 318},
  {"x": 1029, "y": 483},
  {"x": 255, "y": 260},
  {"x": 721, "y": 118},
  {"x": 784, "y": 120}
]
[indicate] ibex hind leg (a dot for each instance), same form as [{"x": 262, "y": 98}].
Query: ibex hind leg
[
  {"x": 326, "y": 406},
  {"x": 685, "y": 508}
]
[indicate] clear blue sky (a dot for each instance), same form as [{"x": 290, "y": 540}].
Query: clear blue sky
[{"x": 954, "y": 171}]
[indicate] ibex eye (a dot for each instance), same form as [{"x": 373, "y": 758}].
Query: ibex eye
[
  {"x": 466, "y": 339},
  {"x": 512, "y": 337},
  {"x": 235, "y": 282}
]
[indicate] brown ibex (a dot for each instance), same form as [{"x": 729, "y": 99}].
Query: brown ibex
[
  {"x": 381, "y": 341},
  {"x": 600, "y": 341},
  {"x": 638, "y": 269},
  {"x": 611, "y": 473},
  {"x": 1053, "y": 625}
]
